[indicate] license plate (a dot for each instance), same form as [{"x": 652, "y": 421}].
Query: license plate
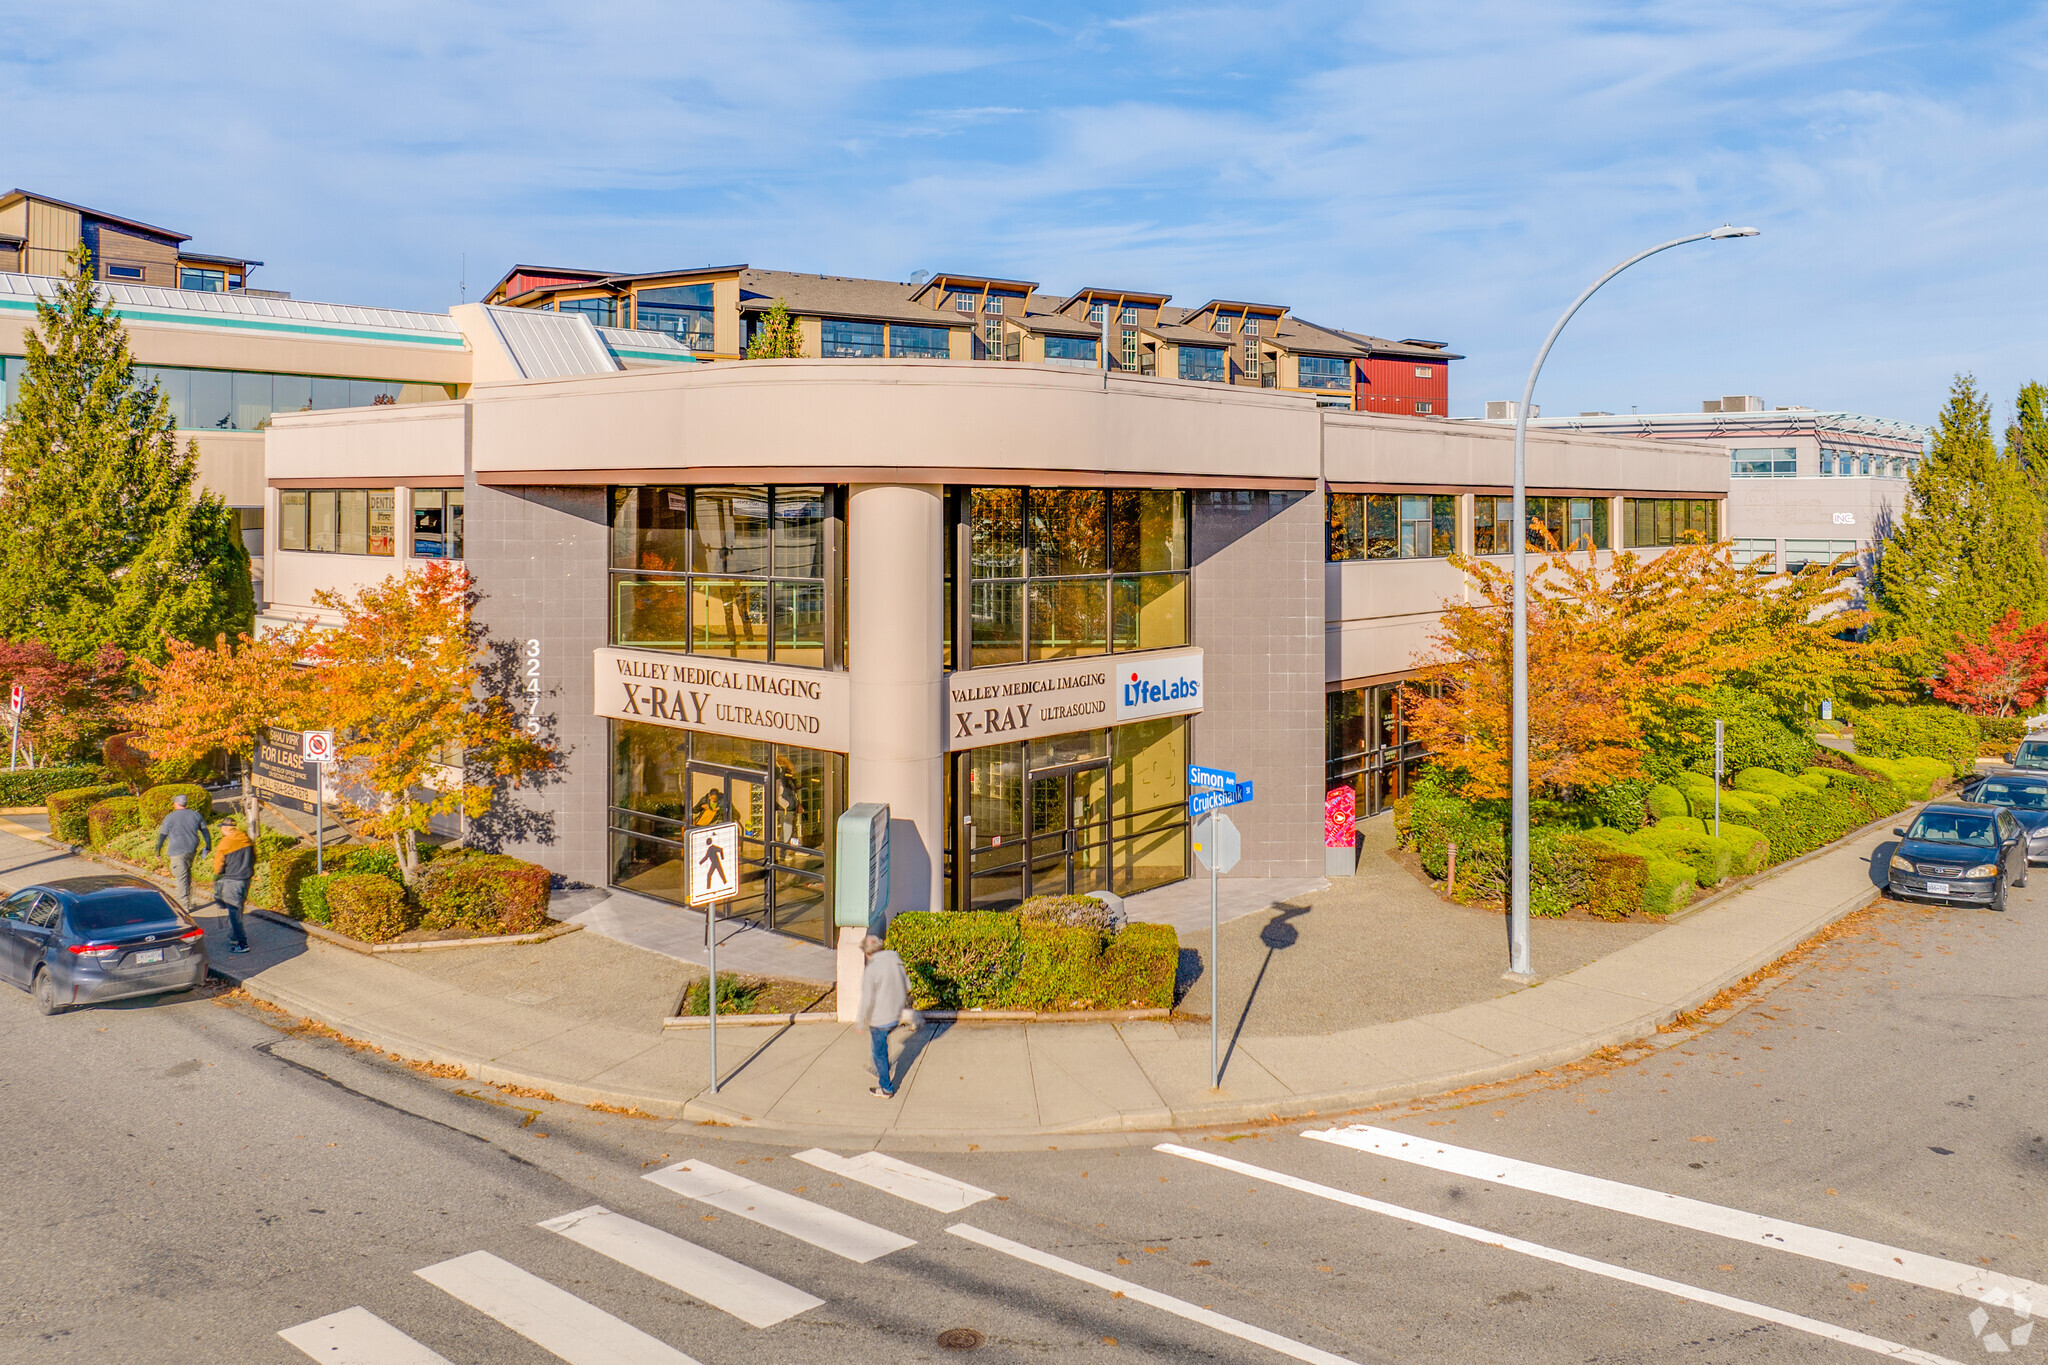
[
  {"x": 1938, "y": 888},
  {"x": 143, "y": 959}
]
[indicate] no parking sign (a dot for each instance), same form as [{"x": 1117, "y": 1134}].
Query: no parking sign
[{"x": 316, "y": 746}]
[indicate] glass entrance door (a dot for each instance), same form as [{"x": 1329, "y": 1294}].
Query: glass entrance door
[
  {"x": 719, "y": 794},
  {"x": 1069, "y": 832}
]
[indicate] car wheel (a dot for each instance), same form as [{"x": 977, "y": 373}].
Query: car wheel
[
  {"x": 45, "y": 992},
  {"x": 1998, "y": 897}
]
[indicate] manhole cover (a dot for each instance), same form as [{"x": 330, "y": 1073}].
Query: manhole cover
[{"x": 961, "y": 1339}]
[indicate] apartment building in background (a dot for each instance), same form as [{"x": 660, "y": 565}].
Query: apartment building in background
[
  {"x": 716, "y": 310},
  {"x": 1805, "y": 485},
  {"x": 38, "y": 234}
]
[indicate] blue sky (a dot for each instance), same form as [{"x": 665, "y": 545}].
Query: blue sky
[{"x": 1456, "y": 172}]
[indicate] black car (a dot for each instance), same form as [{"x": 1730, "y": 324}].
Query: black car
[
  {"x": 1959, "y": 851},
  {"x": 86, "y": 939},
  {"x": 2026, "y": 796}
]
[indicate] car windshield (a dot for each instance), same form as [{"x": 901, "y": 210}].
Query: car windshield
[
  {"x": 110, "y": 911},
  {"x": 2033, "y": 754},
  {"x": 2020, "y": 796},
  {"x": 1955, "y": 827}
]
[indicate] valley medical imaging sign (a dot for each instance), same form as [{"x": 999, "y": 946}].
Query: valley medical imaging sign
[
  {"x": 803, "y": 706},
  {"x": 1032, "y": 701}
]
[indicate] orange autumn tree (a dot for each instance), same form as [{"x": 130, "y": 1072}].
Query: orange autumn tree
[
  {"x": 400, "y": 680},
  {"x": 201, "y": 701},
  {"x": 1623, "y": 655}
]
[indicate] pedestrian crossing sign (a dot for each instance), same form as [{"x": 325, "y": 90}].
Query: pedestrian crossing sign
[{"x": 714, "y": 862}]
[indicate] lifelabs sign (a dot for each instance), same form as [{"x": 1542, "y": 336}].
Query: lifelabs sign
[{"x": 1057, "y": 697}]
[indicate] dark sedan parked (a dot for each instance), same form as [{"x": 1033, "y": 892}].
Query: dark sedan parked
[
  {"x": 87, "y": 939},
  {"x": 2026, "y": 796},
  {"x": 1962, "y": 852}
]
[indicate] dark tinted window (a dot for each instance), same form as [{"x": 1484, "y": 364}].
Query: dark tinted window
[
  {"x": 44, "y": 914},
  {"x": 2019, "y": 795},
  {"x": 120, "y": 910}
]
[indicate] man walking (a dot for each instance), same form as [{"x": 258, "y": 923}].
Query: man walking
[
  {"x": 884, "y": 995},
  {"x": 234, "y": 864},
  {"x": 181, "y": 835}
]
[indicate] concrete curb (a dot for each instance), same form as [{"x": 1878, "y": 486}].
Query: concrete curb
[{"x": 1122, "y": 1125}]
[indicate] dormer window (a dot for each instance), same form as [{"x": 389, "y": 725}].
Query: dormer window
[
  {"x": 1220, "y": 325},
  {"x": 963, "y": 303},
  {"x": 1098, "y": 312},
  {"x": 1130, "y": 316},
  {"x": 1251, "y": 327},
  {"x": 994, "y": 305}
]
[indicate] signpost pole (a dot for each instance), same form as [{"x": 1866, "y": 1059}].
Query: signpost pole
[
  {"x": 14, "y": 748},
  {"x": 1719, "y": 767},
  {"x": 710, "y": 920},
  {"x": 319, "y": 825},
  {"x": 712, "y": 875},
  {"x": 1209, "y": 839}
]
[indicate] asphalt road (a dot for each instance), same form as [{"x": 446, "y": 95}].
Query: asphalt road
[{"x": 184, "y": 1179}]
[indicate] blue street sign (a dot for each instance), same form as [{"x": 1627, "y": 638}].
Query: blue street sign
[
  {"x": 1235, "y": 795},
  {"x": 1214, "y": 778}
]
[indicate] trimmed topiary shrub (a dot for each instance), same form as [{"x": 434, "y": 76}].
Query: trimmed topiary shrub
[
  {"x": 115, "y": 815},
  {"x": 1614, "y": 888},
  {"x": 1754, "y": 735},
  {"x": 1138, "y": 967},
  {"x": 32, "y": 786},
  {"x": 288, "y": 869},
  {"x": 1913, "y": 776},
  {"x": 1621, "y": 805},
  {"x": 365, "y": 906},
  {"x": 1709, "y": 858},
  {"x": 1667, "y": 886},
  {"x": 71, "y": 810},
  {"x": 1078, "y": 912},
  {"x": 487, "y": 893},
  {"x": 1665, "y": 800},
  {"x": 313, "y": 904},
  {"x": 1919, "y": 731},
  {"x": 957, "y": 960},
  {"x": 156, "y": 802},
  {"x": 1058, "y": 966}
]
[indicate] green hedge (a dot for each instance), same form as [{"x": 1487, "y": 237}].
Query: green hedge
[
  {"x": 288, "y": 871},
  {"x": 32, "y": 786},
  {"x": 1750, "y": 849},
  {"x": 998, "y": 960},
  {"x": 156, "y": 802},
  {"x": 70, "y": 810},
  {"x": 1914, "y": 776},
  {"x": 365, "y": 906},
  {"x": 1922, "y": 731},
  {"x": 1667, "y": 886},
  {"x": 486, "y": 893},
  {"x": 1804, "y": 821},
  {"x": 1710, "y": 859},
  {"x": 1665, "y": 800},
  {"x": 313, "y": 904},
  {"x": 113, "y": 816},
  {"x": 1568, "y": 870}
]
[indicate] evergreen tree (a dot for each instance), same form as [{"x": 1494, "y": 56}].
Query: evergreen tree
[
  {"x": 779, "y": 337},
  {"x": 102, "y": 540},
  {"x": 1967, "y": 549},
  {"x": 2026, "y": 443}
]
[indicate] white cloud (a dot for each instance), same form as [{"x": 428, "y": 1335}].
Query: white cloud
[{"x": 1407, "y": 169}]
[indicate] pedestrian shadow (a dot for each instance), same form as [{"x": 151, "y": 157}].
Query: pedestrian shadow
[{"x": 1278, "y": 936}]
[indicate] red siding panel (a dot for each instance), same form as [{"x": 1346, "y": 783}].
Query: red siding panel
[{"x": 1389, "y": 384}]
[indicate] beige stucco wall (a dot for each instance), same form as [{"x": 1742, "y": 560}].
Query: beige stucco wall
[
  {"x": 886, "y": 414},
  {"x": 418, "y": 440},
  {"x": 231, "y": 464},
  {"x": 1370, "y": 448}
]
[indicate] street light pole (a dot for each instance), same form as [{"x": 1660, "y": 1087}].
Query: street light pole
[{"x": 1519, "y": 968}]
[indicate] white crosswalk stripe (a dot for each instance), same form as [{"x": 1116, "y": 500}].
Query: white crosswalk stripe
[
  {"x": 839, "y": 1233},
  {"x": 1764, "y": 1312},
  {"x": 1152, "y": 1298},
  {"x": 550, "y": 1317},
  {"x": 899, "y": 1178},
  {"x": 740, "y": 1290},
  {"x": 1853, "y": 1253},
  {"x": 356, "y": 1336}
]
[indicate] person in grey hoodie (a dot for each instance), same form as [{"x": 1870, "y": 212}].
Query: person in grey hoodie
[
  {"x": 884, "y": 995},
  {"x": 181, "y": 835}
]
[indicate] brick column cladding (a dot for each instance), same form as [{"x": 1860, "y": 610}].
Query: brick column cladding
[
  {"x": 541, "y": 558},
  {"x": 1258, "y": 609}
]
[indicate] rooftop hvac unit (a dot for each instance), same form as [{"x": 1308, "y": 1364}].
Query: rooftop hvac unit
[
  {"x": 1747, "y": 402},
  {"x": 1499, "y": 410}
]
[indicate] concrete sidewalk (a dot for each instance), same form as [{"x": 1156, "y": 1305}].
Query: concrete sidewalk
[{"x": 1010, "y": 1082}]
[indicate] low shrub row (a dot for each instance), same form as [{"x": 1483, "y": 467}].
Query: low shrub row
[
  {"x": 459, "y": 890},
  {"x": 1034, "y": 958},
  {"x": 71, "y": 810},
  {"x": 1898, "y": 732},
  {"x": 27, "y": 786},
  {"x": 1567, "y": 869}
]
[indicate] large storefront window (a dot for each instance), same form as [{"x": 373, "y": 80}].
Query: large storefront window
[
  {"x": 1392, "y": 526},
  {"x": 734, "y": 571},
  {"x": 1103, "y": 810},
  {"x": 1652, "y": 522},
  {"x": 681, "y": 310},
  {"x": 345, "y": 521},
  {"x": 786, "y": 801},
  {"x": 246, "y": 400},
  {"x": 1061, "y": 572},
  {"x": 1367, "y": 747},
  {"x": 1572, "y": 524}
]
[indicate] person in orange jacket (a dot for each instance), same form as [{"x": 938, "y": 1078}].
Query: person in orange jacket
[{"x": 234, "y": 865}]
